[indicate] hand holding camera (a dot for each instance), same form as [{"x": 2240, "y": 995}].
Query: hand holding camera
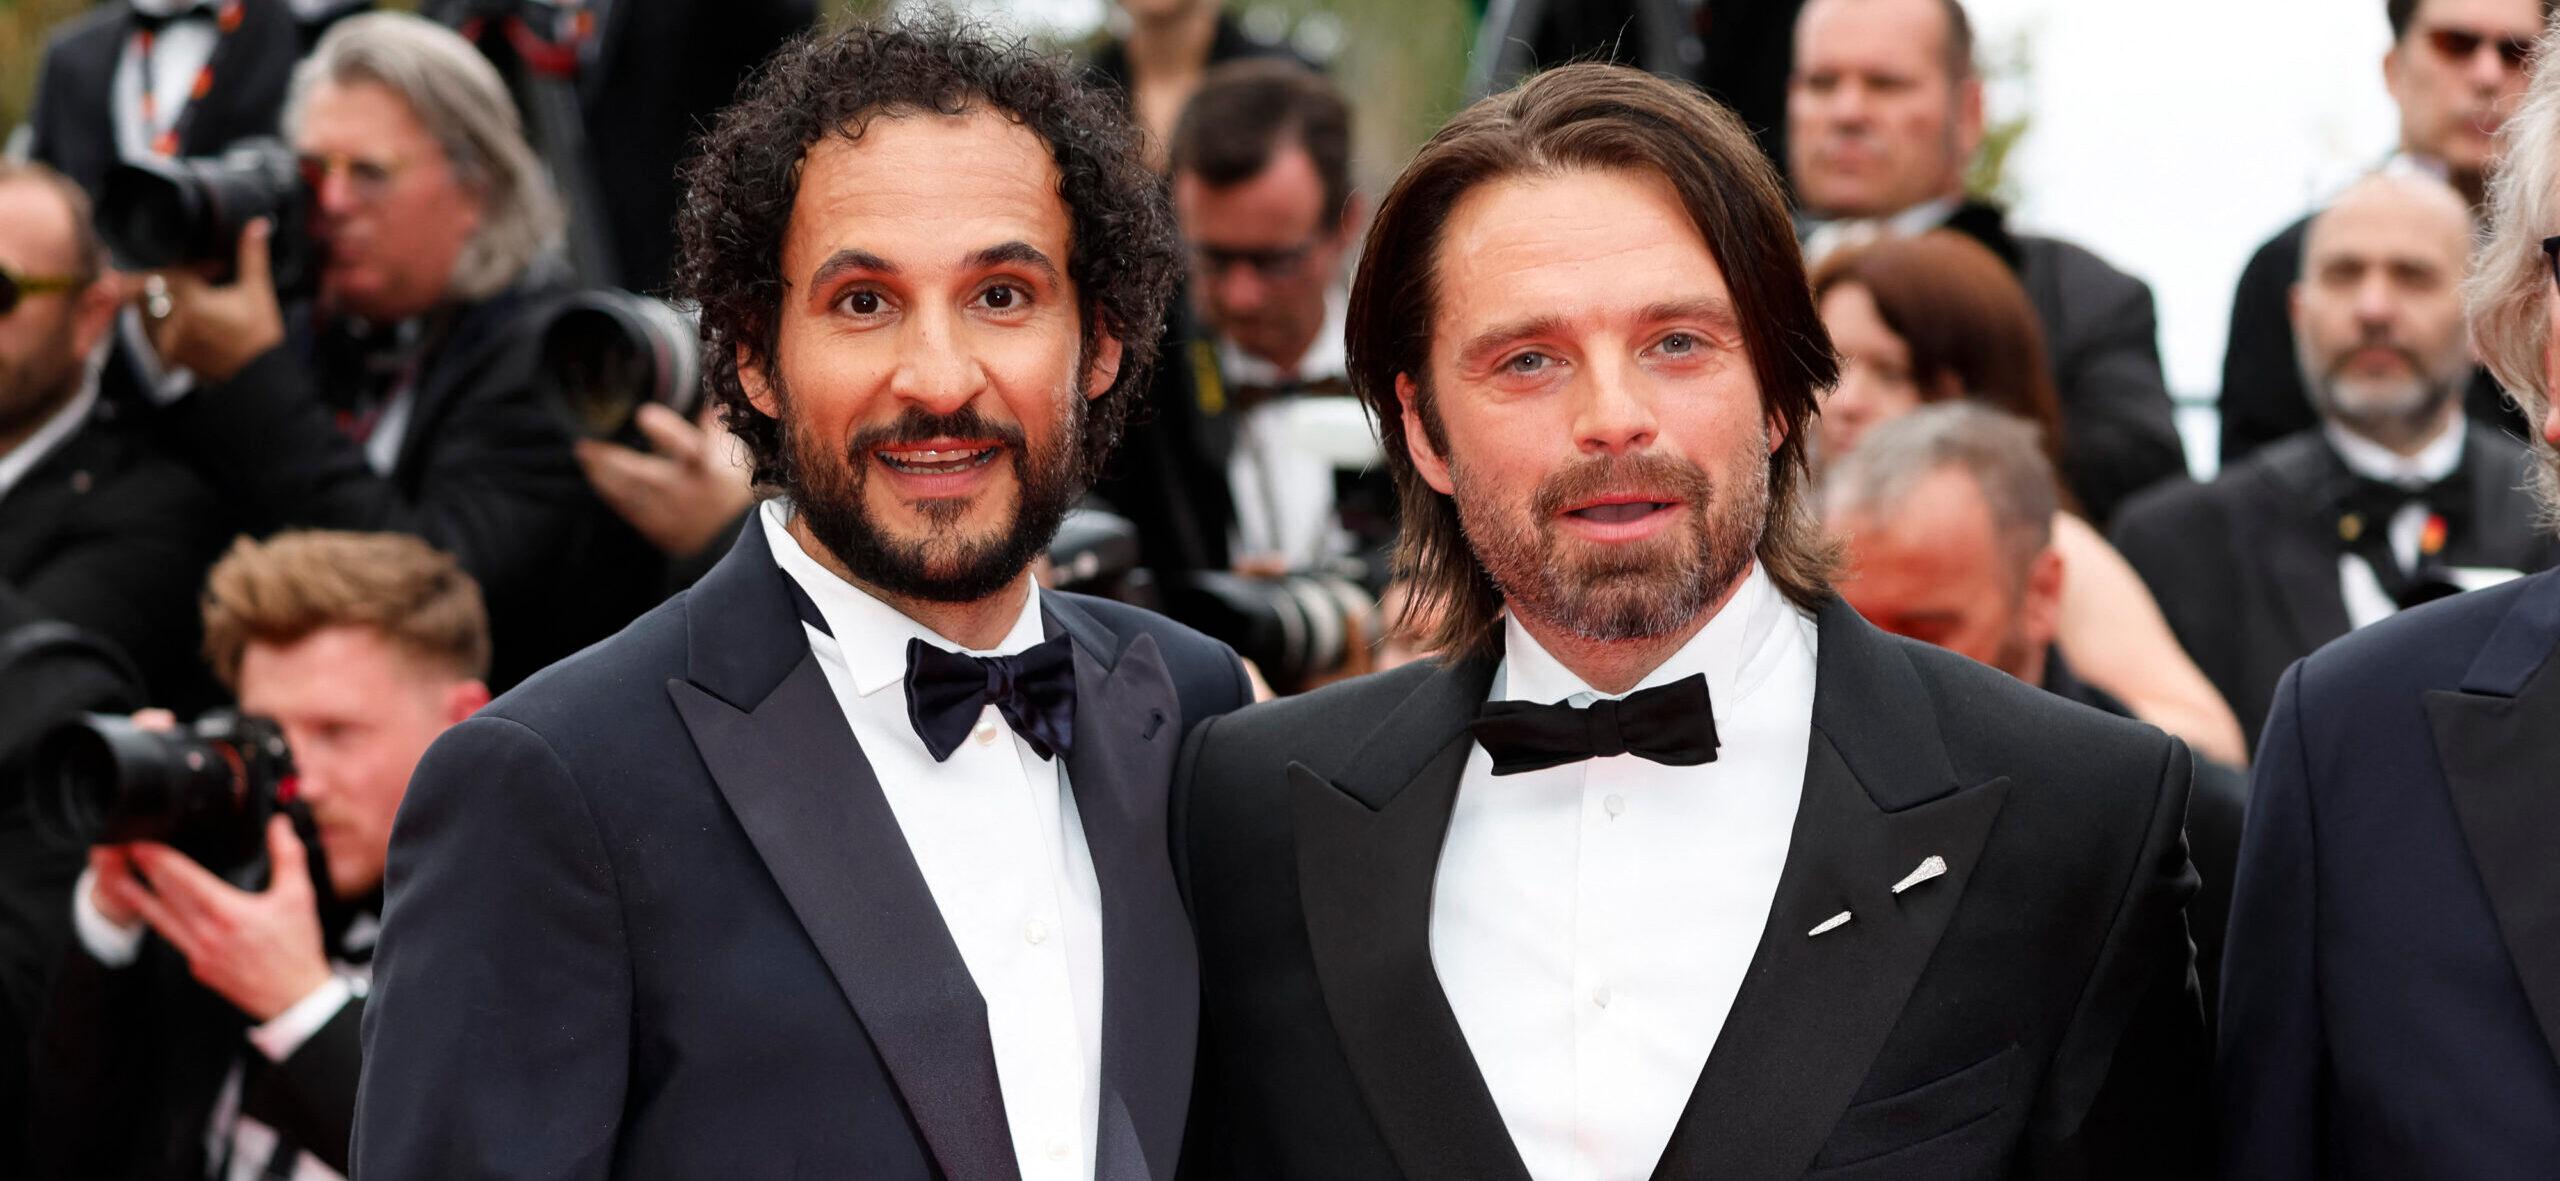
[
  {"x": 215, "y": 330},
  {"x": 683, "y": 492},
  {"x": 259, "y": 950}
]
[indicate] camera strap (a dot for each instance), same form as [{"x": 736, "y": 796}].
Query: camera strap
[{"x": 167, "y": 136}]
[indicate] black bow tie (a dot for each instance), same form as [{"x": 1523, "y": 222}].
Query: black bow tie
[
  {"x": 1673, "y": 724},
  {"x": 1035, "y": 690},
  {"x": 154, "y": 22}
]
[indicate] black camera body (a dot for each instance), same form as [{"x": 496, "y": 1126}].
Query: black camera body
[
  {"x": 207, "y": 791},
  {"x": 176, "y": 213}
]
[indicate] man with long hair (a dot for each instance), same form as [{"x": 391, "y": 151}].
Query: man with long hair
[{"x": 1671, "y": 865}]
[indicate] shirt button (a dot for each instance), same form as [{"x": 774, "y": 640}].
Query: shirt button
[
  {"x": 1600, "y": 996},
  {"x": 1058, "y": 1151},
  {"x": 1035, "y": 932},
  {"x": 984, "y": 731},
  {"x": 1614, "y": 805}
]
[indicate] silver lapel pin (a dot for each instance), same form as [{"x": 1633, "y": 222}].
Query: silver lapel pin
[
  {"x": 1935, "y": 866},
  {"x": 1833, "y": 923}
]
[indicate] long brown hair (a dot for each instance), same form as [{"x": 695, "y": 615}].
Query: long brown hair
[
  {"x": 1595, "y": 117},
  {"x": 1971, "y": 331}
]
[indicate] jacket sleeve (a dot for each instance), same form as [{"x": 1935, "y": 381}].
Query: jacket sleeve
[
  {"x": 2262, "y": 397},
  {"x": 496, "y": 486},
  {"x": 2119, "y": 428},
  {"x": 311, "y": 1095},
  {"x": 2125, "y": 1094},
  {"x": 132, "y": 570},
  {"x": 497, "y": 1036},
  {"x": 2274, "y": 1051}
]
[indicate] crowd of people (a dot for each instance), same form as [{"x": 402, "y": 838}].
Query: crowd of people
[{"x": 1670, "y": 640}]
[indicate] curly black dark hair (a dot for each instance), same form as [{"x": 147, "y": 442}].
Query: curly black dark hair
[{"x": 1122, "y": 254}]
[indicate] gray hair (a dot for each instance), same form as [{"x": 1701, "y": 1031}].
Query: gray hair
[
  {"x": 460, "y": 99},
  {"x": 2510, "y": 286},
  {"x": 2002, "y": 452}
]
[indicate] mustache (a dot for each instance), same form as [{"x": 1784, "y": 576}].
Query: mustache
[
  {"x": 917, "y": 425},
  {"x": 1648, "y": 472}
]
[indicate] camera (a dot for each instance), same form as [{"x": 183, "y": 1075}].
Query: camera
[
  {"x": 608, "y": 352},
  {"x": 1294, "y": 627},
  {"x": 206, "y": 791},
  {"x": 172, "y": 213}
]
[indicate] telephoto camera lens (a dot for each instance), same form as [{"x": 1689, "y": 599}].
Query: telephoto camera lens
[
  {"x": 101, "y": 779},
  {"x": 172, "y": 213},
  {"x": 608, "y": 352}
]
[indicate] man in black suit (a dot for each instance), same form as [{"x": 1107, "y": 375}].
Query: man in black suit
[
  {"x": 2391, "y": 1001},
  {"x": 205, "y": 1022},
  {"x": 2395, "y": 498},
  {"x": 2455, "y": 69},
  {"x": 833, "y": 865},
  {"x": 1946, "y": 515},
  {"x": 413, "y": 401},
  {"x": 1883, "y": 112},
  {"x": 1854, "y": 901},
  {"x": 119, "y": 82}
]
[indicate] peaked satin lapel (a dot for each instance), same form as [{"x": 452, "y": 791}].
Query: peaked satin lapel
[
  {"x": 1121, "y": 769},
  {"x": 2498, "y": 739},
  {"x": 2293, "y": 536},
  {"x": 1814, "y": 1010},
  {"x": 1368, "y": 850},
  {"x": 786, "y": 761}
]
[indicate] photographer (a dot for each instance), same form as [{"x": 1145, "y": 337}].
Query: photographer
[
  {"x": 200, "y": 1028},
  {"x": 408, "y": 398},
  {"x": 1253, "y": 484}
]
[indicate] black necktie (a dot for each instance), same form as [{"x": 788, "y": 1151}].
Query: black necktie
[
  {"x": 2365, "y": 511},
  {"x": 1673, "y": 724},
  {"x": 1035, "y": 690}
]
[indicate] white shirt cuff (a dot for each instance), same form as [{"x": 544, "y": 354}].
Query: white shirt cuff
[
  {"x": 278, "y": 1039},
  {"x": 164, "y": 384},
  {"x": 109, "y": 942}
]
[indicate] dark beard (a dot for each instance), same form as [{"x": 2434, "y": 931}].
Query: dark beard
[
  {"x": 1637, "y": 593},
  {"x": 826, "y": 490}
]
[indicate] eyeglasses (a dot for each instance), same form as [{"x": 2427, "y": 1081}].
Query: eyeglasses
[
  {"x": 14, "y": 287},
  {"x": 2551, "y": 254},
  {"x": 1269, "y": 264},
  {"x": 2461, "y": 44},
  {"x": 367, "y": 177}
]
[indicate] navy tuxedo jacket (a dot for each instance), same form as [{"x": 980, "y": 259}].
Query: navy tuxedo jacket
[
  {"x": 2391, "y": 992},
  {"x": 649, "y": 915}
]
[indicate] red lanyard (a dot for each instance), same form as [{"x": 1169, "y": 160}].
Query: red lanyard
[{"x": 165, "y": 140}]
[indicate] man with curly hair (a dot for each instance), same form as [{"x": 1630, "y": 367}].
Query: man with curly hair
[{"x": 852, "y": 860}]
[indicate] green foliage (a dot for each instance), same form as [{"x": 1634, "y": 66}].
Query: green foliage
[
  {"x": 2007, "y": 69},
  {"x": 24, "y": 25}
]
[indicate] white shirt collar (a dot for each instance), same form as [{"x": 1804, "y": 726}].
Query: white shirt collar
[
  {"x": 871, "y": 634},
  {"x": 1733, "y": 650},
  {"x": 66, "y": 421},
  {"x": 2438, "y": 459},
  {"x": 1326, "y": 357}
]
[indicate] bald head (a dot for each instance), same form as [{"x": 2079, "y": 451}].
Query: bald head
[{"x": 2377, "y": 311}]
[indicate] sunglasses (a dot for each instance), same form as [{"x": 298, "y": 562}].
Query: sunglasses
[
  {"x": 15, "y": 287},
  {"x": 2461, "y": 44}
]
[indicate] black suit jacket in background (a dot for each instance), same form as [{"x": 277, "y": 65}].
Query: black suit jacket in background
[
  {"x": 2101, "y": 337},
  {"x": 72, "y": 126},
  {"x": 2031, "y": 1013},
  {"x": 484, "y": 472},
  {"x": 2246, "y": 567},
  {"x": 131, "y": 1060},
  {"x": 111, "y": 536},
  {"x": 650, "y": 916},
  {"x": 2391, "y": 1001},
  {"x": 2263, "y": 398}
]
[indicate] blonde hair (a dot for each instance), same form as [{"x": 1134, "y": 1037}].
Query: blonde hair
[
  {"x": 283, "y": 589},
  {"x": 2510, "y": 287}
]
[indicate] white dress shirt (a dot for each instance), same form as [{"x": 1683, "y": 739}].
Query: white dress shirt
[
  {"x": 2358, "y": 585},
  {"x": 1591, "y": 923},
  {"x": 1829, "y": 237},
  {"x": 65, "y": 422},
  {"x": 996, "y": 834}
]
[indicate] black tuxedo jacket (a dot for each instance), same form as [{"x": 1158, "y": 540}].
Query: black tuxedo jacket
[
  {"x": 131, "y": 1060},
  {"x": 2391, "y": 1000},
  {"x": 2246, "y": 567},
  {"x": 2263, "y": 398},
  {"x": 2037, "y": 1015},
  {"x": 650, "y": 916},
  {"x": 109, "y": 535},
  {"x": 73, "y": 128},
  {"x": 484, "y": 472},
  {"x": 2119, "y": 429}
]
